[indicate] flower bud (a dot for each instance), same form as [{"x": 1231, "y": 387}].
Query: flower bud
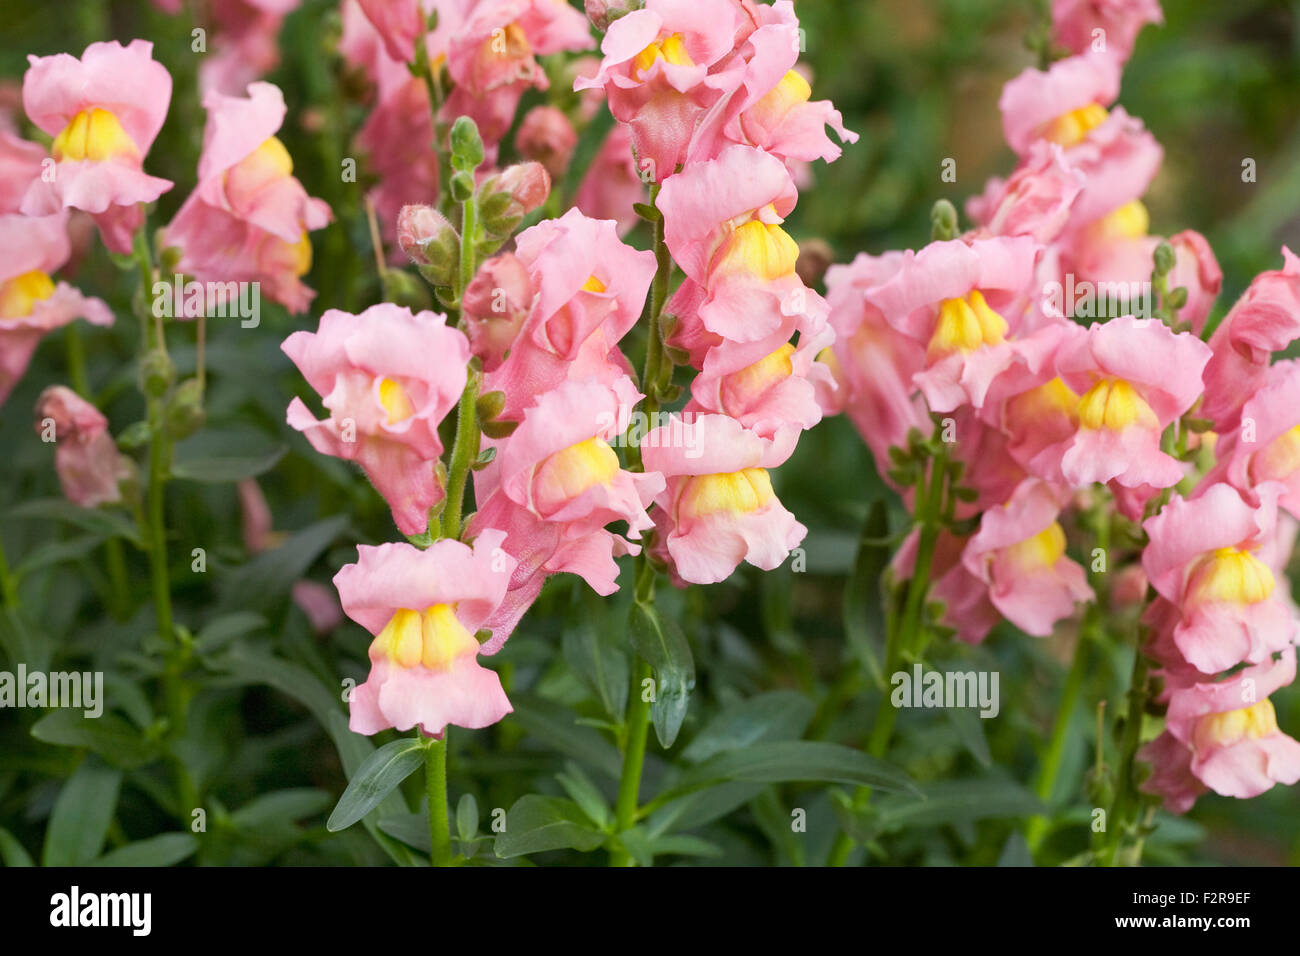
[
  {"x": 512, "y": 194},
  {"x": 547, "y": 136},
  {"x": 495, "y": 304},
  {"x": 185, "y": 414},
  {"x": 431, "y": 241},
  {"x": 602, "y": 13},
  {"x": 156, "y": 373}
]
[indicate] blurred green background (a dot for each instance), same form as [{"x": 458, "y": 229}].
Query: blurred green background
[{"x": 919, "y": 80}]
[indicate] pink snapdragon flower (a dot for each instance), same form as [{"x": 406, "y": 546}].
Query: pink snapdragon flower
[
  {"x": 588, "y": 288},
  {"x": 546, "y": 136},
  {"x": 1265, "y": 447},
  {"x": 559, "y": 465},
  {"x": 1266, "y": 319},
  {"x": 491, "y": 57},
  {"x": 32, "y": 304},
  {"x": 1019, "y": 552},
  {"x": 722, "y": 223},
  {"x": 1035, "y": 201},
  {"x": 424, "y": 608},
  {"x": 85, "y": 457},
  {"x": 663, "y": 67},
  {"x": 1230, "y": 728},
  {"x": 104, "y": 111},
  {"x": 1061, "y": 104},
  {"x": 718, "y": 507},
  {"x": 877, "y": 363},
  {"x": 1202, "y": 558},
  {"x": 1109, "y": 26},
  {"x": 1133, "y": 377},
  {"x": 248, "y": 217},
  {"x": 961, "y": 300},
  {"x": 399, "y": 23},
  {"x": 770, "y": 107},
  {"x": 387, "y": 377}
]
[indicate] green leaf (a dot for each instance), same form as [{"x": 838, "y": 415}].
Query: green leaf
[
  {"x": 466, "y": 817},
  {"x": 864, "y": 619},
  {"x": 221, "y": 630},
  {"x": 411, "y": 829},
  {"x": 958, "y": 801},
  {"x": 280, "y": 807},
  {"x": 969, "y": 726},
  {"x": 106, "y": 524},
  {"x": 555, "y": 726},
  {"x": 644, "y": 846},
  {"x": 228, "y": 468},
  {"x": 600, "y": 663},
  {"x": 259, "y": 583},
  {"x": 13, "y": 853},
  {"x": 56, "y": 552},
  {"x": 663, "y": 646},
  {"x": 795, "y": 760},
  {"x": 698, "y": 807},
  {"x": 165, "y": 849},
  {"x": 536, "y": 824},
  {"x": 82, "y": 815},
  {"x": 775, "y": 715},
  {"x": 23, "y": 642},
  {"x": 107, "y": 735},
  {"x": 586, "y": 795},
  {"x": 375, "y": 779}
]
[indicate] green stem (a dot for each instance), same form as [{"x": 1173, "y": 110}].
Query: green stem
[
  {"x": 1126, "y": 795},
  {"x": 8, "y": 587},
  {"x": 435, "y": 778},
  {"x": 629, "y": 783},
  {"x": 468, "y": 245},
  {"x": 1045, "y": 784},
  {"x": 463, "y": 452}
]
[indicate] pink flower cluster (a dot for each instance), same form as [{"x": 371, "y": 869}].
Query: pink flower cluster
[
  {"x": 1032, "y": 346},
  {"x": 708, "y": 92}
]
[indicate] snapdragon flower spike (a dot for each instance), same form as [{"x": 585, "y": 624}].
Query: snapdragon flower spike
[
  {"x": 718, "y": 507},
  {"x": 961, "y": 299},
  {"x": 876, "y": 362},
  {"x": 722, "y": 223},
  {"x": 770, "y": 108},
  {"x": 1019, "y": 552},
  {"x": 248, "y": 218},
  {"x": 32, "y": 303},
  {"x": 104, "y": 111},
  {"x": 1133, "y": 377},
  {"x": 388, "y": 378},
  {"x": 1230, "y": 728},
  {"x": 1204, "y": 556},
  {"x": 85, "y": 455},
  {"x": 588, "y": 289},
  {"x": 424, "y": 608},
  {"x": 1266, "y": 446},
  {"x": 663, "y": 66},
  {"x": 559, "y": 463},
  {"x": 1266, "y": 319},
  {"x": 1081, "y": 25},
  {"x": 491, "y": 57}
]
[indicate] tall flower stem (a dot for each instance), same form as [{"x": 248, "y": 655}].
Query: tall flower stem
[
  {"x": 1123, "y": 810},
  {"x": 637, "y": 728},
  {"x": 1054, "y": 756},
  {"x": 464, "y": 450},
  {"x": 435, "y": 779}
]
